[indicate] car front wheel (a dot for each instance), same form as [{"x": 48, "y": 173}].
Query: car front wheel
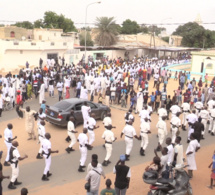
[{"x": 103, "y": 115}]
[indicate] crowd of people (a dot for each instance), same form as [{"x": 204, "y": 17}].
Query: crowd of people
[{"x": 119, "y": 82}]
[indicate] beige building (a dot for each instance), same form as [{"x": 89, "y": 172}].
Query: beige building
[
  {"x": 31, "y": 45},
  {"x": 175, "y": 40}
]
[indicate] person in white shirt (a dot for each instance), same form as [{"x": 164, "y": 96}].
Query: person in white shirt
[
  {"x": 15, "y": 158},
  {"x": 84, "y": 93},
  {"x": 41, "y": 134},
  {"x": 91, "y": 126},
  {"x": 83, "y": 144},
  {"x": 162, "y": 132},
  {"x": 107, "y": 120},
  {"x": 144, "y": 114},
  {"x": 41, "y": 116},
  {"x": 191, "y": 119},
  {"x": 109, "y": 138},
  {"x": 162, "y": 112},
  {"x": 170, "y": 151},
  {"x": 129, "y": 133},
  {"x": 204, "y": 115},
  {"x": 179, "y": 152},
  {"x": 8, "y": 138},
  {"x": 71, "y": 133},
  {"x": 198, "y": 105},
  {"x": 175, "y": 125},
  {"x": 60, "y": 89},
  {"x": 94, "y": 177},
  {"x": 129, "y": 116},
  {"x": 85, "y": 109},
  {"x": 144, "y": 131},
  {"x": 185, "y": 110},
  {"x": 192, "y": 148},
  {"x": 175, "y": 109},
  {"x": 47, "y": 151}
]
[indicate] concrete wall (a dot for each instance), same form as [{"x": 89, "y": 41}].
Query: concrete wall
[
  {"x": 5, "y": 32},
  {"x": 47, "y": 34}
]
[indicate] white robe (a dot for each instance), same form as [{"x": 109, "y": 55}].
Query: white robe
[
  {"x": 139, "y": 106},
  {"x": 191, "y": 161},
  {"x": 42, "y": 93},
  {"x": 84, "y": 93}
]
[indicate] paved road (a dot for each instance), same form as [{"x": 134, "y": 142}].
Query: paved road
[{"x": 64, "y": 166}]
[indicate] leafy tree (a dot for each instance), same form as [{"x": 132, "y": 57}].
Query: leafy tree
[
  {"x": 156, "y": 29},
  {"x": 2, "y": 25},
  {"x": 195, "y": 35},
  {"x": 107, "y": 31},
  {"x": 89, "y": 41},
  {"x": 130, "y": 27},
  {"x": 25, "y": 24},
  {"x": 38, "y": 23},
  {"x": 144, "y": 29},
  {"x": 166, "y": 39}
]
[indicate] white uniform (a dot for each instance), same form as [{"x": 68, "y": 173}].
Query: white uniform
[
  {"x": 191, "y": 118},
  {"x": 41, "y": 134},
  {"x": 212, "y": 120},
  {"x": 191, "y": 161},
  {"x": 175, "y": 109},
  {"x": 41, "y": 117},
  {"x": 185, "y": 109},
  {"x": 91, "y": 123},
  {"x": 170, "y": 154},
  {"x": 178, "y": 149},
  {"x": 85, "y": 113},
  {"x": 129, "y": 133},
  {"x": 14, "y": 164},
  {"x": 107, "y": 121},
  {"x": 83, "y": 139},
  {"x": 42, "y": 93},
  {"x": 144, "y": 128},
  {"x": 162, "y": 112},
  {"x": 162, "y": 131},
  {"x": 8, "y": 134},
  {"x": 175, "y": 124},
  {"x": 130, "y": 117},
  {"x": 204, "y": 114},
  {"x": 70, "y": 128},
  {"x": 108, "y": 135},
  {"x": 46, "y": 145},
  {"x": 144, "y": 114},
  {"x": 198, "y": 106}
]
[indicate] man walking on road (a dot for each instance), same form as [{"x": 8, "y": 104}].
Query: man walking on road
[
  {"x": 14, "y": 159},
  {"x": 41, "y": 134},
  {"x": 47, "y": 151}
]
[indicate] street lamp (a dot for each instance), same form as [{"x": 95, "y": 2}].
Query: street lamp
[{"x": 85, "y": 42}]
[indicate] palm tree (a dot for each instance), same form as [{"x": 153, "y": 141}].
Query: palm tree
[{"x": 107, "y": 30}]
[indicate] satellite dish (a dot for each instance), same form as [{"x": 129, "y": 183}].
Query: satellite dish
[{"x": 23, "y": 38}]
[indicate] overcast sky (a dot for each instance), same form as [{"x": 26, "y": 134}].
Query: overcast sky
[{"x": 142, "y": 11}]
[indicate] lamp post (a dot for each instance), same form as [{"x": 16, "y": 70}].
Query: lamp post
[{"x": 85, "y": 35}]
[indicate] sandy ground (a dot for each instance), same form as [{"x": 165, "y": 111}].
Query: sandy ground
[{"x": 137, "y": 187}]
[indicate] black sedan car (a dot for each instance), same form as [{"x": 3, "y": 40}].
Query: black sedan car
[{"x": 58, "y": 113}]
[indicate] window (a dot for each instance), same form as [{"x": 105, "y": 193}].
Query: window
[
  {"x": 12, "y": 34},
  {"x": 92, "y": 106},
  {"x": 21, "y": 51},
  {"x": 40, "y": 37},
  {"x": 209, "y": 66},
  {"x": 52, "y": 43},
  {"x": 64, "y": 44},
  {"x": 62, "y": 105},
  {"x": 78, "y": 107}
]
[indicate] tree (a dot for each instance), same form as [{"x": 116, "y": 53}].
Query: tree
[
  {"x": 89, "y": 41},
  {"x": 166, "y": 39},
  {"x": 195, "y": 35},
  {"x": 144, "y": 29},
  {"x": 130, "y": 27},
  {"x": 25, "y": 24},
  {"x": 38, "y": 24},
  {"x": 107, "y": 31},
  {"x": 155, "y": 29}
]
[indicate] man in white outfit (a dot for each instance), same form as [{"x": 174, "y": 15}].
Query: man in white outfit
[
  {"x": 129, "y": 133},
  {"x": 83, "y": 144},
  {"x": 162, "y": 132},
  {"x": 162, "y": 112},
  {"x": 212, "y": 121},
  {"x": 41, "y": 93},
  {"x": 191, "y": 119},
  {"x": 85, "y": 109},
  {"x": 144, "y": 131},
  {"x": 47, "y": 151},
  {"x": 91, "y": 126},
  {"x": 8, "y": 138},
  {"x": 109, "y": 138},
  {"x": 71, "y": 133},
  {"x": 204, "y": 115},
  {"x": 175, "y": 125},
  {"x": 198, "y": 105},
  {"x": 139, "y": 105},
  {"x": 41, "y": 134},
  {"x": 175, "y": 109},
  {"x": 185, "y": 110}
]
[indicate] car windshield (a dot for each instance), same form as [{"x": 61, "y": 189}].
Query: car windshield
[{"x": 63, "y": 105}]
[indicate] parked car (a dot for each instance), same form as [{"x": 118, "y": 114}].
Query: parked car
[{"x": 58, "y": 113}]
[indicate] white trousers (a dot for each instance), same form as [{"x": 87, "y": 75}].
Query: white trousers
[
  {"x": 8, "y": 150},
  {"x": 191, "y": 130},
  {"x": 91, "y": 137},
  {"x": 212, "y": 125},
  {"x": 15, "y": 172},
  {"x": 47, "y": 164},
  {"x": 161, "y": 136},
  {"x": 109, "y": 149},
  {"x": 41, "y": 140},
  {"x": 174, "y": 131},
  {"x": 83, "y": 151},
  {"x": 204, "y": 121},
  {"x": 73, "y": 139},
  {"x": 85, "y": 121},
  {"x": 184, "y": 121},
  {"x": 129, "y": 145},
  {"x": 107, "y": 100},
  {"x": 144, "y": 140}
]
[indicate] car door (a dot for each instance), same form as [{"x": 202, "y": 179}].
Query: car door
[
  {"x": 94, "y": 109},
  {"x": 78, "y": 113}
]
